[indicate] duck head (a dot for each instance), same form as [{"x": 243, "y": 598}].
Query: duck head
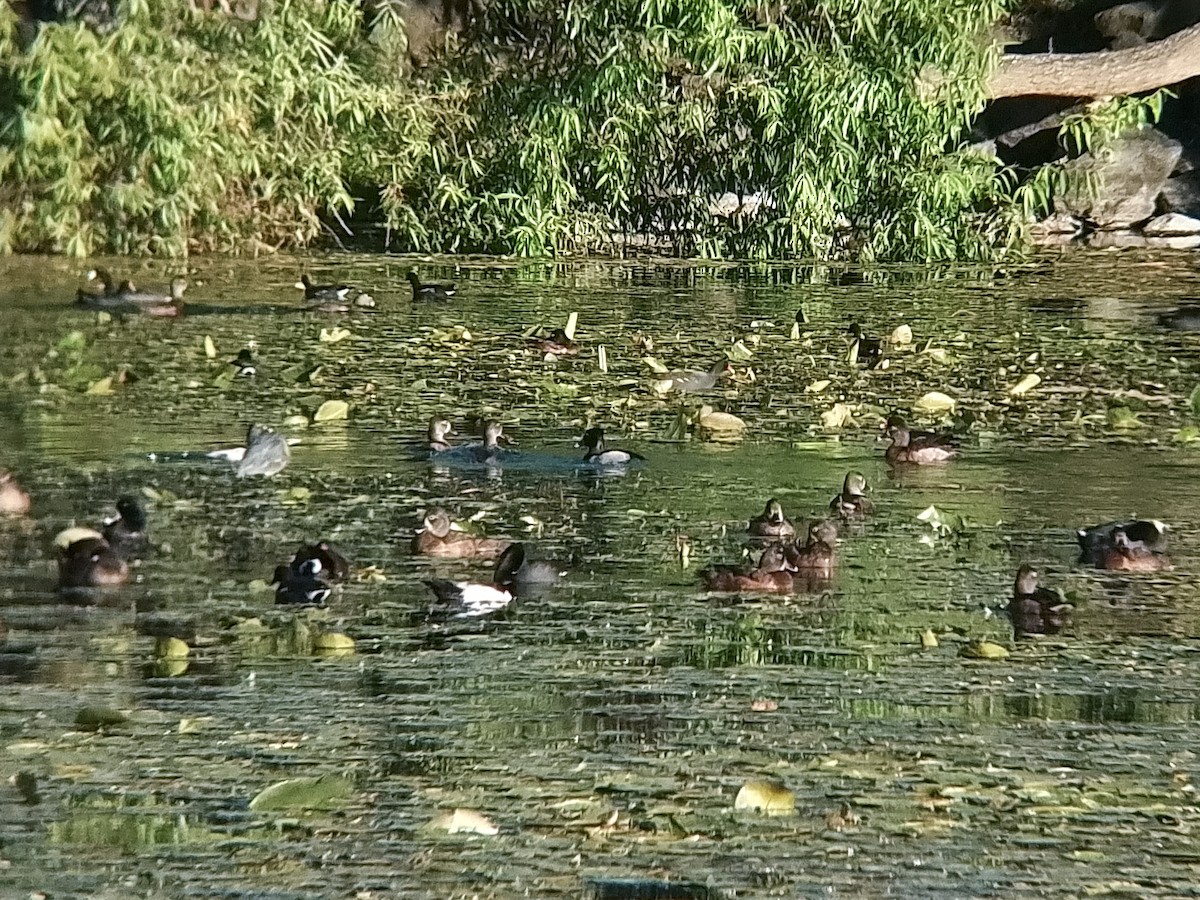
[
  {"x": 132, "y": 513},
  {"x": 855, "y": 485},
  {"x": 437, "y": 522},
  {"x": 1026, "y": 581},
  {"x": 592, "y": 439}
]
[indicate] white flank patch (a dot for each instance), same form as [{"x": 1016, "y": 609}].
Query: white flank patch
[{"x": 481, "y": 599}]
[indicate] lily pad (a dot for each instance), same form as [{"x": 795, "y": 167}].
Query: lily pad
[
  {"x": 303, "y": 793},
  {"x": 171, "y": 648},
  {"x": 332, "y": 411},
  {"x": 935, "y": 402},
  {"x": 984, "y": 650}
]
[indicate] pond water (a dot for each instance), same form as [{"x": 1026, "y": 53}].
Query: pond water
[{"x": 605, "y": 726}]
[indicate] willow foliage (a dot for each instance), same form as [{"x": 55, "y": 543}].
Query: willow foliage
[
  {"x": 597, "y": 117},
  {"x": 182, "y": 128}
]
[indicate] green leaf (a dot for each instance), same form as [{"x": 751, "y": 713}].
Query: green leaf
[{"x": 303, "y": 793}]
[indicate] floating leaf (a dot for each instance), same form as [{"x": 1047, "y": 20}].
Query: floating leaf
[
  {"x": 101, "y": 388},
  {"x": 572, "y": 321},
  {"x": 332, "y": 644},
  {"x": 210, "y": 349},
  {"x": 303, "y": 793},
  {"x": 852, "y": 355},
  {"x": 1026, "y": 384},
  {"x": 332, "y": 411},
  {"x": 928, "y": 639},
  {"x": 334, "y": 335},
  {"x": 901, "y": 336},
  {"x": 934, "y": 402},
  {"x": 602, "y": 358},
  {"x": 795, "y": 332},
  {"x": 171, "y": 648},
  {"x": 768, "y": 797},
  {"x": 1123, "y": 417},
  {"x": 464, "y": 821},
  {"x": 817, "y": 386},
  {"x": 984, "y": 650},
  {"x": 739, "y": 352},
  {"x": 1187, "y": 434},
  {"x": 937, "y": 354},
  {"x": 1194, "y": 401},
  {"x": 719, "y": 426},
  {"x": 840, "y": 416},
  {"x": 655, "y": 366}
]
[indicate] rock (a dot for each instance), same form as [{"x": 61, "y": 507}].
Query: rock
[
  {"x": 1170, "y": 225},
  {"x": 1134, "y": 24},
  {"x": 1057, "y": 223},
  {"x": 1133, "y": 240},
  {"x": 1126, "y": 176},
  {"x": 1181, "y": 194}
]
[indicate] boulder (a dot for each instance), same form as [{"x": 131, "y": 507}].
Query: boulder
[
  {"x": 1181, "y": 194},
  {"x": 1170, "y": 225},
  {"x": 1118, "y": 185}
]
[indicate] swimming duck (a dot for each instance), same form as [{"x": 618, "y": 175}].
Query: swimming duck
[
  {"x": 439, "y": 429},
  {"x": 819, "y": 553},
  {"x": 1185, "y": 318},
  {"x": 490, "y": 450},
  {"x": 1034, "y": 609},
  {"x": 1126, "y": 555},
  {"x": 301, "y": 585},
  {"x": 772, "y": 575},
  {"x": 1149, "y": 535},
  {"x": 323, "y": 293},
  {"x": 321, "y": 560},
  {"x": 89, "y": 562},
  {"x": 127, "y": 299},
  {"x": 852, "y": 502},
  {"x": 870, "y": 350},
  {"x": 772, "y": 523},
  {"x": 108, "y": 286},
  {"x": 437, "y": 537},
  {"x": 464, "y": 599},
  {"x": 243, "y": 364},
  {"x": 14, "y": 500},
  {"x": 597, "y": 454},
  {"x": 557, "y": 344},
  {"x": 515, "y": 570},
  {"x": 918, "y": 448},
  {"x": 690, "y": 381},
  {"x": 126, "y": 533},
  {"x": 423, "y": 291},
  {"x": 267, "y": 453}
]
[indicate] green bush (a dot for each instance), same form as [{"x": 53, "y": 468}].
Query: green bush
[{"x": 188, "y": 130}]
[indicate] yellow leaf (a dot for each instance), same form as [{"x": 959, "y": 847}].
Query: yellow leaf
[
  {"x": 817, "y": 386},
  {"x": 210, "y": 349},
  {"x": 902, "y": 336},
  {"x": 934, "y": 402},
  {"x": 332, "y": 337},
  {"x": 1026, "y": 384},
  {"x": 464, "y": 821},
  {"x": 331, "y": 411},
  {"x": 768, "y": 797},
  {"x": 572, "y": 321},
  {"x": 838, "y": 417}
]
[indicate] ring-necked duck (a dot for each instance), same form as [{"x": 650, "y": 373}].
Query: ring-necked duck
[
  {"x": 90, "y": 562},
  {"x": 126, "y": 533},
  {"x": 870, "y": 350},
  {"x": 772, "y": 523},
  {"x": 819, "y": 553},
  {"x": 463, "y": 599},
  {"x": 301, "y": 585},
  {"x": 424, "y": 291},
  {"x": 515, "y": 570},
  {"x": 267, "y": 453},
  {"x": 322, "y": 560},
  {"x": 437, "y": 537},
  {"x": 918, "y": 448},
  {"x": 1185, "y": 318},
  {"x": 597, "y": 454},
  {"x": 852, "y": 502},
  {"x": 439, "y": 429},
  {"x": 772, "y": 575},
  {"x": 243, "y": 364},
  {"x": 1035, "y": 609},
  {"x": 1149, "y": 535}
]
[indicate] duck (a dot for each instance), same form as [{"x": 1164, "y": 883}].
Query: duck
[
  {"x": 918, "y": 448},
  {"x": 267, "y": 453},
  {"x": 468, "y": 599},
  {"x": 323, "y": 293},
  {"x": 243, "y": 364},
  {"x": 86, "y": 560},
  {"x": 1185, "y": 318},
  {"x": 515, "y": 570},
  {"x": 301, "y": 585},
  {"x": 109, "y": 287},
  {"x": 852, "y": 502},
  {"x": 438, "y": 537},
  {"x": 819, "y": 553},
  {"x": 14, "y": 499},
  {"x": 127, "y": 299},
  {"x": 425, "y": 291},
  {"x": 1126, "y": 555},
  {"x": 690, "y": 381},
  {"x": 870, "y": 350},
  {"x": 126, "y": 532},
  {"x": 556, "y": 343},
  {"x": 1035, "y": 609},
  {"x": 490, "y": 450},
  {"x": 772, "y": 575},
  {"x": 323, "y": 560},
  {"x": 1095, "y": 541},
  {"x": 772, "y": 523},
  {"x": 439, "y": 429},
  {"x": 597, "y": 454}
]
